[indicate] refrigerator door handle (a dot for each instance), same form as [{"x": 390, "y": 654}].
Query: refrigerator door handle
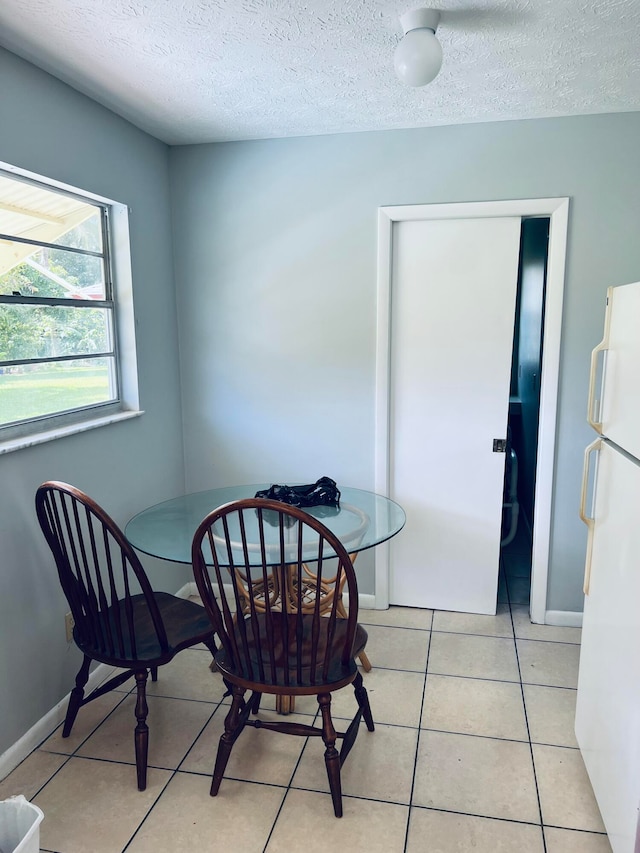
[
  {"x": 590, "y": 522},
  {"x": 602, "y": 346}
]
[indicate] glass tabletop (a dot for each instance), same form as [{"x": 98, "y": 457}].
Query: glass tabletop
[{"x": 166, "y": 530}]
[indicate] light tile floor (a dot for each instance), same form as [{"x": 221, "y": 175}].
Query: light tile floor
[{"x": 473, "y": 751}]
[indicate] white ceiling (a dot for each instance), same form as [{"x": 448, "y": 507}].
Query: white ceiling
[{"x": 190, "y": 71}]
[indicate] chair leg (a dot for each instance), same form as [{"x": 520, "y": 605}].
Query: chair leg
[
  {"x": 232, "y": 728},
  {"x": 76, "y": 697},
  {"x": 364, "y": 660},
  {"x": 285, "y": 704},
  {"x": 255, "y": 702},
  {"x": 362, "y": 698},
  {"x": 331, "y": 754},
  {"x": 141, "y": 735},
  {"x": 154, "y": 673}
]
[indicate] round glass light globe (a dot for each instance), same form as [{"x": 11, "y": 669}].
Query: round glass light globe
[{"x": 418, "y": 57}]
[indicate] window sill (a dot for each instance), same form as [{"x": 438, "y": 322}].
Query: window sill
[{"x": 61, "y": 431}]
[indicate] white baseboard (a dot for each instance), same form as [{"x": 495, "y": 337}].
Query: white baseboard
[
  {"x": 563, "y": 618},
  {"x": 366, "y": 601},
  {"x": 187, "y": 590},
  {"x": 46, "y": 725}
]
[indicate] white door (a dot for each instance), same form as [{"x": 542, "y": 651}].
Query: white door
[
  {"x": 608, "y": 702},
  {"x": 453, "y": 291}
]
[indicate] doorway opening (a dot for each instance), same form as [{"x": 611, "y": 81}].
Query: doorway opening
[{"x": 524, "y": 411}]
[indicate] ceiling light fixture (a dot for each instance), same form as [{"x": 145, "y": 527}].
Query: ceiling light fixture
[{"x": 418, "y": 56}]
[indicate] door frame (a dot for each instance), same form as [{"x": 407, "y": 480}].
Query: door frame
[{"x": 557, "y": 209}]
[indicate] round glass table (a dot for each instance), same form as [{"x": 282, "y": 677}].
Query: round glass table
[{"x": 363, "y": 520}]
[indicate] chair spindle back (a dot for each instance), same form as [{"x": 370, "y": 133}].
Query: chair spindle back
[
  {"x": 100, "y": 573},
  {"x": 271, "y": 578}
]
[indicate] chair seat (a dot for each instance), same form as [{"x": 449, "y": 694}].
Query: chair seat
[
  {"x": 264, "y": 656},
  {"x": 185, "y": 623}
]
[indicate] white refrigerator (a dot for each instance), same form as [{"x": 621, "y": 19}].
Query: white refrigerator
[{"x": 608, "y": 699}]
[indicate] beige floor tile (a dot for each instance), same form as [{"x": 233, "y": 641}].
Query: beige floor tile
[
  {"x": 397, "y": 648},
  {"x": 566, "y": 797},
  {"x": 551, "y": 714},
  {"x": 569, "y": 841},
  {"x": 395, "y": 697},
  {"x": 463, "y": 783},
  {"x": 106, "y": 671},
  {"x": 257, "y": 755},
  {"x": 95, "y": 805},
  {"x": 29, "y": 776},
  {"x": 188, "y": 676},
  {"x": 380, "y": 765},
  {"x": 174, "y": 725},
  {"x": 397, "y": 617},
  {"x": 186, "y": 818},
  {"x": 476, "y": 775},
  {"x": 474, "y": 707},
  {"x": 551, "y": 664},
  {"x": 89, "y": 718},
  {"x": 458, "y": 833},
  {"x": 306, "y": 823},
  {"x": 473, "y": 656},
  {"x": 474, "y": 623},
  {"x": 526, "y": 630}
]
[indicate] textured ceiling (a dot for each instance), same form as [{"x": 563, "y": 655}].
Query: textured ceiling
[{"x": 191, "y": 71}]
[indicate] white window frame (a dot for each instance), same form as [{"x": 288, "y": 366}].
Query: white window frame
[{"x": 118, "y": 249}]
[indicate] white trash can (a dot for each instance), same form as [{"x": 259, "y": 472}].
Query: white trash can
[{"x": 19, "y": 826}]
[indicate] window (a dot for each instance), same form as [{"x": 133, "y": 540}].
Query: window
[{"x": 60, "y": 323}]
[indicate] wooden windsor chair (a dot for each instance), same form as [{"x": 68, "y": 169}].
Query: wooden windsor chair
[
  {"x": 288, "y": 645},
  {"x": 119, "y": 619}
]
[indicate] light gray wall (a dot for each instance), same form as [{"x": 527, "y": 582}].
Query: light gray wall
[
  {"x": 275, "y": 247},
  {"x": 50, "y": 129}
]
